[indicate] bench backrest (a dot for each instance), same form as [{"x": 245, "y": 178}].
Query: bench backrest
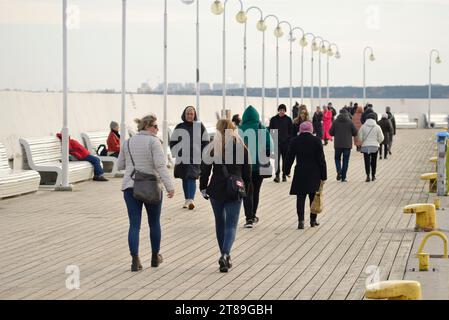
[
  {"x": 92, "y": 140},
  {"x": 4, "y": 163},
  {"x": 402, "y": 118},
  {"x": 439, "y": 118},
  {"x": 41, "y": 150}
]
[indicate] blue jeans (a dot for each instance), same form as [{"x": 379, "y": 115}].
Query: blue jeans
[
  {"x": 96, "y": 162},
  {"x": 226, "y": 220},
  {"x": 189, "y": 187},
  {"x": 342, "y": 170},
  {"x": 135, "y": 218}
]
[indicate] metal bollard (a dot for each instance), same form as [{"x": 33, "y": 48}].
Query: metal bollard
[{"x": 442, "y": 163}]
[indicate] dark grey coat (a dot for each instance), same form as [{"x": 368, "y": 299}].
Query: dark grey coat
[
  {"x": 387, "y": 130},
  {"x": 343, "y": 130}
]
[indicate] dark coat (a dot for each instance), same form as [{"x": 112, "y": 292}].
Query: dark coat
[
  {"x": 366, "y": 113},
  {"x": 216, "y": 187},
  {"x": 343, "y": 130},
  {"x": 387, "y": 130},
  {"x": 310, "y": 167},
  {"x": 284, "y": 126},
  {"x": 318, "y": 124},
  {"x": 393, "y": 121},
  {"x": 189, "y": 170}
]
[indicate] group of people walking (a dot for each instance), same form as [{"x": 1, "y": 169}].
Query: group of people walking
[{"x": 232, "y": 167}]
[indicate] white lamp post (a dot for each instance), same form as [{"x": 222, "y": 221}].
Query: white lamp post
[
  {"x": 219, "y": 8},
  {"x": 65, "y": 130},
  {"x": 261, "y": 26},
  {"x": 314, "y": 47},
  {"x": 330, "y": 53},
  {"x": 322, "y": 50},
  {"x": 291, "y": 40},
  {"x": 303, "y": 44},
  {"x": 245, "y": 88},
  {"x": 165, "y": 120},
  {"x": 437, "y": 61},
  {"x": 372, "y": 58},
  {"x": 123, "y": 109}
]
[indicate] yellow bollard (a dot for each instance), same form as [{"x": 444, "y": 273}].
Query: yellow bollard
[
  {"x": 437, "y": 203},
  {"x": 394, "y": 290},
  {"x": 433, "y": 160},
  {"x": 434, "y": 234},
  {"x": 423, "y": 261},
  {"x": 432, "y": 178},
  {"x": 425, "y": 216}
]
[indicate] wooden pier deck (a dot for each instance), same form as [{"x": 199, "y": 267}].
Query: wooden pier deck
[{"x": 362, "y": 225}]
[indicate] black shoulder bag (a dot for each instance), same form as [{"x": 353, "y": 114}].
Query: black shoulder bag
[
  {"x": 147, "y": 187},
  {"x": 235, "y": 187}
]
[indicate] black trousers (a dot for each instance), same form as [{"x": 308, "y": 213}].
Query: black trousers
[
  {"x": 251, "y": 201},
  {"x": 300, "y": 206},
  {"x": 385, "y": 148},
  {"x": 282, "y": 152},
  {"x": 370, "y": 163}
]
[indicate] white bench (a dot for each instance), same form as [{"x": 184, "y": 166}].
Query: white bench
[
  {"x": 16, "y": 182},
  {"x": 44, "y": 155},
  {"x": 437, "y": 120},
  {"x": 92, "y": 140},
  {"x": 403, "y": 121}
]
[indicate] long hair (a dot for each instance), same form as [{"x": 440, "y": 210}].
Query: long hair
[{"x": 226, "y": 133}]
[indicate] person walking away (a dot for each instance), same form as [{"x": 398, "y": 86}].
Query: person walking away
[
  {"x": 387, "y": 131},
  {"x": 186, "y": 169},
  {"x": 318, "y": 123},
  {"x": 343, "y": 130},
  {"x": 226, "y": 202},
  {"x": 393, "y": 122},
  {"x": 283, "y": 124},
  {"x": 310, "y": 170},
  {"x": 371, "y": 136},
  {"x": 295, "y": 110},
  {"x": 250, "y": 128},
  {"x": 143, "y": 152},
  {"x": 79, "y": 152},
  {"x": 354, "y": 109},
  {"x": 327, "y": 123},
  {"x": 357, "y": 121},
  {"x": 369, "y": 110},
  {"x": 113, "y": 141}
]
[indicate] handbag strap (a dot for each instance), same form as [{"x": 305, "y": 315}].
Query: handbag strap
[
  {"x": 363, "y": 141},
  {"x": 225, "y": 171},
  {"x": 132, "y": 160}
]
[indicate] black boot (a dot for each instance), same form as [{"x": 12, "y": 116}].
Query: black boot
[
  {"x": 301, "y": 225},
  {"x": 368, "y": 179},
  {"x": 135, "y": 264},
  {"x": 277, "y": 179},
  {"x": 313, "y": 222}
]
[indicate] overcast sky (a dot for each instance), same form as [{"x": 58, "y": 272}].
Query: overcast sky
[{"x": 401, "y": 32}]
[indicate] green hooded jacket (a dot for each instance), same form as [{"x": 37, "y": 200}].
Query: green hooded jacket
[{"x": 251, "y": 121}]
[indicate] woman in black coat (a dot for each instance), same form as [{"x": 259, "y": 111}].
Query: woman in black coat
[
  {"x": 187, "y": 165},
  {"x": 318, "y": 123},
  {"x": 310, "y": 169}
]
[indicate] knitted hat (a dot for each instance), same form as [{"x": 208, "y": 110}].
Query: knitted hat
[{"x": 306, "y": 127}]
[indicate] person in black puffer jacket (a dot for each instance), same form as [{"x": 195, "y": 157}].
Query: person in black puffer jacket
[{"x": 188, "y": 169}]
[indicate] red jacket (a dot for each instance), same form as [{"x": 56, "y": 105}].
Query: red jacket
[
  {"x": 76, "y": 149},
  {"x": 113, "y": 143}
]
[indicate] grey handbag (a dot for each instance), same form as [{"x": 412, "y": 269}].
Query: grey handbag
[{"x": 147, "y": 187}]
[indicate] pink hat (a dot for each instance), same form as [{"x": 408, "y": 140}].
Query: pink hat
[{"x": 306, "y": 127}]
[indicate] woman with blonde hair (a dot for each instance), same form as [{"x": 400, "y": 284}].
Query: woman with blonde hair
[
  {"x": 143, "y": 154},
  {"x": 227, "y": 158}
]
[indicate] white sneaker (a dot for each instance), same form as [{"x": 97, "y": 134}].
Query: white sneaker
[
  {"x": 186, "y": 204},
  {"x": 191, "y": 205}
]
